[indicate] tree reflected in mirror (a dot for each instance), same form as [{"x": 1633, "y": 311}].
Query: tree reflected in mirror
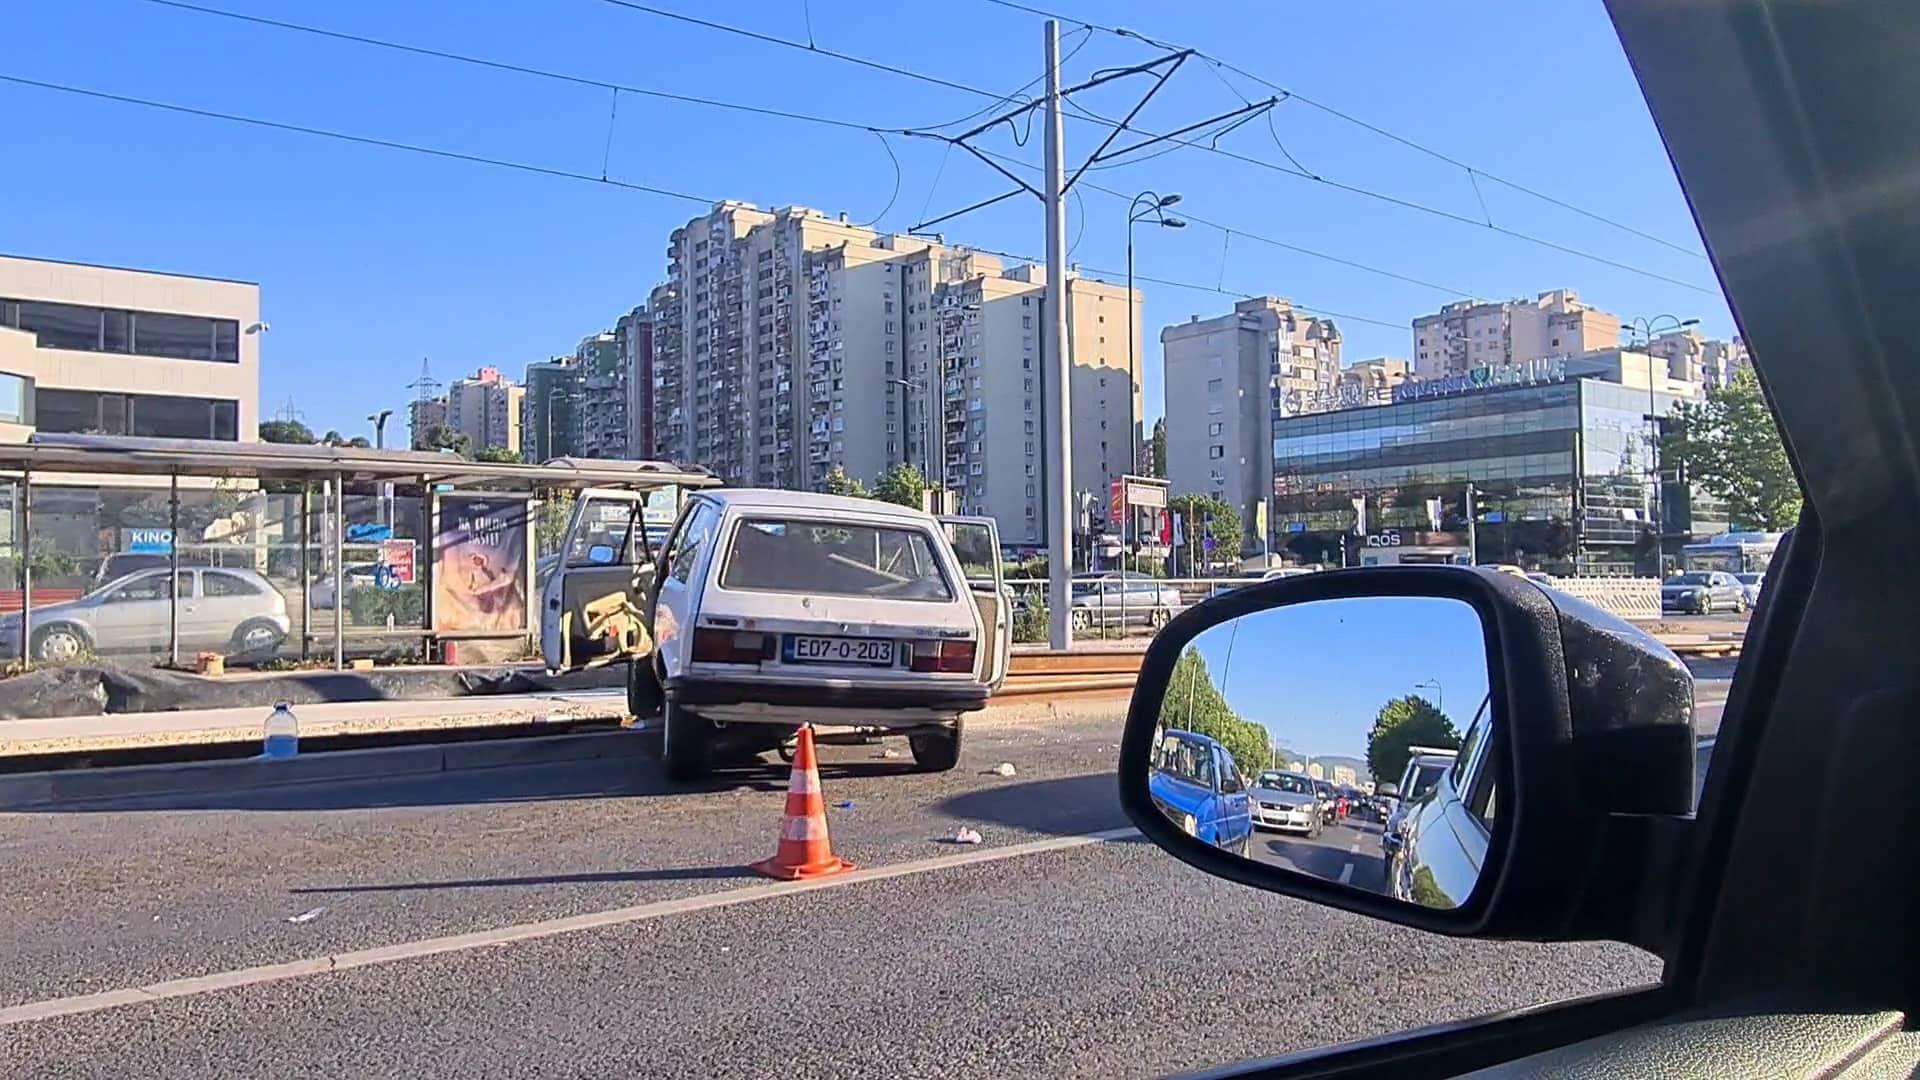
[{"x": 1348, "y": 739}]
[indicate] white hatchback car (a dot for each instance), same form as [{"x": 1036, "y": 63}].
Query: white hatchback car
[{"x": 770, "y": 609}]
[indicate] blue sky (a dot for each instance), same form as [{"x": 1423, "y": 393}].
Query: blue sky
[
  {"x": 370, "y": 259},
  {"x": 1316, "y": 674}
]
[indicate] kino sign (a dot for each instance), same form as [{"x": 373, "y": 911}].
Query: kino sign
[{"x": 1550, "y": 369}]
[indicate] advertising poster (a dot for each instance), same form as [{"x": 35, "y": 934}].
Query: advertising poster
[{"x": 480, "y": 564}]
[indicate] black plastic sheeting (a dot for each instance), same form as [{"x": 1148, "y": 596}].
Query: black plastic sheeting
[{"x": 92, "y": 690}]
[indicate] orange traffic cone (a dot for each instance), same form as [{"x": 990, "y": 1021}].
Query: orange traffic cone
[{"x": 804, "y": 850}]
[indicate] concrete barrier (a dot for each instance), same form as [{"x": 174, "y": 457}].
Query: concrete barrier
[{"x": 1629, "y": 598}]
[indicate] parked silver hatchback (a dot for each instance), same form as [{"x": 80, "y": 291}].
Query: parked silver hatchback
[
  {"x": 1122, "y": 599},
  {"x": 233, "y": 611}
]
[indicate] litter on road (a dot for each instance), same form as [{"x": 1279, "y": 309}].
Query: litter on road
[
  {"x": 966, "y": 836},
  {"x": 1005, "y": 768},
  {"x": 844, "y": 804},
  {"x": 306, "y": 916}
]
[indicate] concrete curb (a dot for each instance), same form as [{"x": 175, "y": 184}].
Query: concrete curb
[{"x": 32, "y": 791}]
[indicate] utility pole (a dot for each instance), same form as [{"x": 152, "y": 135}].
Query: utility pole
[
  {"x": 1473, "y": 547},
  {"x": 1059, "y": 415}
]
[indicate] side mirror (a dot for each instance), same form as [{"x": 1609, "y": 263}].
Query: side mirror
[
  {"x": 601, "y": 554},
  {"x": 1524, "y": 737}
]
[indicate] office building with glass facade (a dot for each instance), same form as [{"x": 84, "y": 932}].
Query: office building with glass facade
[{"x": 1559, "y": 469}]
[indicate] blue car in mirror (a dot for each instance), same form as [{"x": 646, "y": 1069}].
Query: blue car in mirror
[{"x": 1196, "y": 784}]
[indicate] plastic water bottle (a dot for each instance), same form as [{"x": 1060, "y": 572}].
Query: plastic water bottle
[{"x": 282, "y": 735}]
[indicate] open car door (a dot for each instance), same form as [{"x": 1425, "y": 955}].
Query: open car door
[
  {"x": 976, "y": 540},
  {"x": 593, "y": 603}
]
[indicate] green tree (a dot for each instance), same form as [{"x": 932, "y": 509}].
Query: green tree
[
  {"x": 498, "y": 455},
  {"x": 1159, "y": 443},
  {"x": 839, "y": 483},
  {"x": 359, "y": 442},
  {"x": 444, "y": 437},
  {"x": 333, "y": 438},
  {"x": 1227, "y": 531},
  {"x": 1730, "y": 446},
  {"x": 1400, "y": 725},
  {"x": 1193, "y": 703},
  {"x": 286, "y": 431},
  {"x": 551, "y": 520},
  {"x": 901, "y": 484}
]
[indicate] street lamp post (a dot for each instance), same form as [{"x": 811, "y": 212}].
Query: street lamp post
[
  {"x": 1155, "y": 205},
  {"x": 1647, "y": 327},
  {"x": 926, "y": 447},
  {"x": 1439, "y": 693}
]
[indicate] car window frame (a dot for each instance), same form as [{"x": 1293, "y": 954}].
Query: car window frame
[{"x": 207, "y": 576}]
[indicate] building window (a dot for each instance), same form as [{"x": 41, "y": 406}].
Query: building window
[
  {"x": 1216, "y": 451},
  {"x": 139, "y": 333},
  {"x": 1214, "y": 386},
  {"x": 152, "y": 415},
  {"x": 1026, "y": 322},
  {"x": 1214, "y": 428}
]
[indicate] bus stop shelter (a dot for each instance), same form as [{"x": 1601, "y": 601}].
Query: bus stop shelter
[{"x": 79, "y": 459}]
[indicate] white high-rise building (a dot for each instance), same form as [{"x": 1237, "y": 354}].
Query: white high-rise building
[
  {"x": 1226, "y": 379},
  {"x": 1468, "y": 334},
  {"x": 786, "y": 344}
]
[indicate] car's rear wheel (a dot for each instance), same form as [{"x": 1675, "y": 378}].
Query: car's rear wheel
[
  {"x": 936, "y": 751},
  {"x": 257, "y": 638},
  {"x": 1159, "y": 618},
  {"x": 1081, "y": 619},
  {"x": 61, "y": 642},
  {"x": 686, "y": 743}
]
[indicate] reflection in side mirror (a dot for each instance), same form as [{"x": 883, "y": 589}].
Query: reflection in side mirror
[
  {"x": 1350, "y": 739},
  {"x": 601, "y": 554}
]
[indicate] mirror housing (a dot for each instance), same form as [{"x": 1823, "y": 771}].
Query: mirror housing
[{"x": 1598, "y": 722}]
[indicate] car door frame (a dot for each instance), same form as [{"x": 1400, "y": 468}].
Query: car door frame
[
  {"x": 997, "y": 638},
  {"x": 629, "y": 563},
  {"x": 674, "y": 601},
  {"x": 1814, "y": 250}
]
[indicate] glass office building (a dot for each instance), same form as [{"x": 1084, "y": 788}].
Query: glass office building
[{"x": 1559, "y": 472}]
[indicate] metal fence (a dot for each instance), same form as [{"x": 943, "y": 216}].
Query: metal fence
[{"x": 1144, "y": 604}]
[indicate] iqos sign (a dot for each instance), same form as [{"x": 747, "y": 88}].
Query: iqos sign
[{"x": 1388, "y": 539}]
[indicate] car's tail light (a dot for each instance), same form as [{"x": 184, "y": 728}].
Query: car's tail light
[
  {"x": 945, "y": 656},
  {"x": 731, "y": 647}
]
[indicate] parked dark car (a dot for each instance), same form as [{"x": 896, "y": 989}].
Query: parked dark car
[{"x": 1702, "y": 592}]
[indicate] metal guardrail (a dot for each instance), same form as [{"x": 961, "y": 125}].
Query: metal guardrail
[{"x": 1137, "y": 607}]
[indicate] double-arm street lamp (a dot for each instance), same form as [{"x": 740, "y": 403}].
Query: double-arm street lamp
[
  {"x": 1647, "y": 327},
  {"x": 1146, "y": 206}
]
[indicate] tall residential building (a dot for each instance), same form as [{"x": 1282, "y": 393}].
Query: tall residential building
[
  {"x": 134, "y": 352},
  {"x": 549, "y": 413},
  {"x": 486, "y": 408},
  {"x": 730, "y": 350},
  {"x": 1695, "y": 358},
  {"x": 600, "y": 414},
  {"x": 1468, "y": 334},
  {"x": 968, "y": 322},
  {"x": 1371, "y": 382},
  {"x": 634, "y": 333},
  {"x": 423, "y": 415},
  {"x": 1226, "y": 379},
  {"x": 905, "y": 350}
]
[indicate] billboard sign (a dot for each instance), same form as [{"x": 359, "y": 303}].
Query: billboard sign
[{"x": 480, "y": 564}]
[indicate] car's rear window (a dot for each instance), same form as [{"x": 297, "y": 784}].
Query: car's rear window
[
  {"x": 834, "y": 559},
  {"x": 1187, "y": 760}
]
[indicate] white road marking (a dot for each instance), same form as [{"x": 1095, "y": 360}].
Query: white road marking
[
  {"x": 413, "y": 950},
  {"x": 1346, "y": 874}
]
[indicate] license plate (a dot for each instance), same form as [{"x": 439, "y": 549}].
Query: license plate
[{"x": 874, "y": 652}]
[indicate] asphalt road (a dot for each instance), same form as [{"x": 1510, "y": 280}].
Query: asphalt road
[
  {"x": 1347, "y": 851},
  {"x": 1040, "y": 952}
]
